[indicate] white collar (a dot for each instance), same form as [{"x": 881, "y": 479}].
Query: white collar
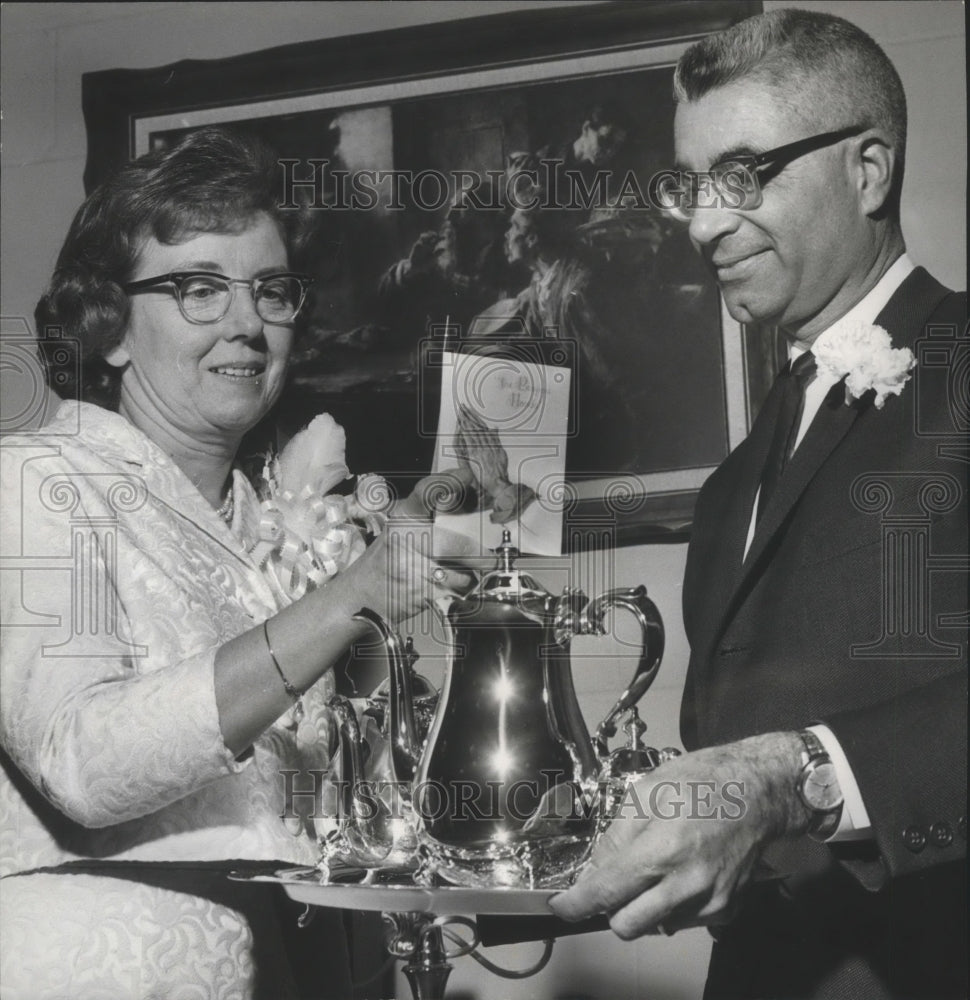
[{"x": 871, "y": 304}]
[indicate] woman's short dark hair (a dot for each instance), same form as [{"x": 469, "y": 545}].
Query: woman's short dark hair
[{"x": 211, "y": 180}]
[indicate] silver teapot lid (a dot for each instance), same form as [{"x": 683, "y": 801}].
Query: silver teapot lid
[{"x": 505, "y": 582}]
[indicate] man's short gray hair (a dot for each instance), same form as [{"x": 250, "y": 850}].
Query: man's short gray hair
[{"x": 826, "y": 70}]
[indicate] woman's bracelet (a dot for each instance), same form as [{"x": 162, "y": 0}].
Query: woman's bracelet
[{"x": 295, "y": 693}]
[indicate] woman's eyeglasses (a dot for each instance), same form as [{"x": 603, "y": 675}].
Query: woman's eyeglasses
[
  {"x": 735, "y": 182},
  {"x": 206, "y": 297}
]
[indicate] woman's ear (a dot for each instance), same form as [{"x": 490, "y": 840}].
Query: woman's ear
[
  {"x": 877, "y": 164},
  {"x": 118, "y": 356}
]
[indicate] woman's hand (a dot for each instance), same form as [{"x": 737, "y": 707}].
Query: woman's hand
[
  {"x": 442, "y": 492},
  {"x": 396, "y": 576}
]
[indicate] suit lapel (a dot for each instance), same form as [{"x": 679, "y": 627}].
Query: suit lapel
[
  {"x": 903, "y": 317},
  {"x": 905, "y": 314},
  {"x": 743, "y": 487},
  {"x": 738, "y": 485},
  {"x": 832, "y": 422}
]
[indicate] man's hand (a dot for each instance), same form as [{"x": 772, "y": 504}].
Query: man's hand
[{"x": 688, "y": 837}]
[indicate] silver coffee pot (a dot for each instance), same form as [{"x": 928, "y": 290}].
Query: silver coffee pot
[{"x": 498, "y": 782}]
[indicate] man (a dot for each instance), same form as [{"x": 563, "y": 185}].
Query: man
[{"x": 833, "y": 857}]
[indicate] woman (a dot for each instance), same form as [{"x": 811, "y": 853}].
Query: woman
[{"x": 152, "y": 718}]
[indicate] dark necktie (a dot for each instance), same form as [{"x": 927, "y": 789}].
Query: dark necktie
[{"x": 794, "y": 378}]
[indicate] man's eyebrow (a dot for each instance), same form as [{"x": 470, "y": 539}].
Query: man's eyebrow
[
  {"x": 735, "y": 151},
  {"x": 726, "y": 154}
]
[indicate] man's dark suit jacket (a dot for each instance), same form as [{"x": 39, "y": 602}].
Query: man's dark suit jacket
[{"x": 850, "y": 609}]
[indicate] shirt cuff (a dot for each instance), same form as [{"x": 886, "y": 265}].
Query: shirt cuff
[{"x": 854, "y": 823}]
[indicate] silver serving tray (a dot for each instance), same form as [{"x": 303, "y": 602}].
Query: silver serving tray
[{"x": 395, "y": 892}]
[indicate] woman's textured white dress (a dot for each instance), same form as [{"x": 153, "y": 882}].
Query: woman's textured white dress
[{"x": 119, "y": 584}]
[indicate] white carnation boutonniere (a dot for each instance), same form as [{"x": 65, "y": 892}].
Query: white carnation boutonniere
[
  {"x": 306, "y": 533},
  {"x": 862, "y": 354}
]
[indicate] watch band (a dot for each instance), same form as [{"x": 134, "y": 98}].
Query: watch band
[
  {"x": 811, "y": 746},
  {"x": 816, "y": 784}
]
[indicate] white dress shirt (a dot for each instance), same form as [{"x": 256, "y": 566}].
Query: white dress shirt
[{"x": 854, "y": 823}]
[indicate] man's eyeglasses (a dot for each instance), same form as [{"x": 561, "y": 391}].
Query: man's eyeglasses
[
  {"x": 735, "y": 182},
  {"x": 206, "y": 297}
]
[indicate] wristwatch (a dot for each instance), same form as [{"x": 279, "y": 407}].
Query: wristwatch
[{"x": 818, "y": 787}]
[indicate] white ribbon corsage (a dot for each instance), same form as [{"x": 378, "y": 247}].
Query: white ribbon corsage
[
  {"x": 306, "y": 534},
  {"x": 863, "y": 355}
]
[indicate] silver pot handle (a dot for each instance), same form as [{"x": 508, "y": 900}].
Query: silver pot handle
[{"x": 651, "y": 626}]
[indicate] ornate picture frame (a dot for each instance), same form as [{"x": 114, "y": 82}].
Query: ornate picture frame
[{"x": 442, "y": 101}]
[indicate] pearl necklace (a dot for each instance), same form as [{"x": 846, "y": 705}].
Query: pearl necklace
[{"x": 228, "y": 507}]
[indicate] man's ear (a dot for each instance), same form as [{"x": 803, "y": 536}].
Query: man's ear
[{"x": 877, "y": 166}]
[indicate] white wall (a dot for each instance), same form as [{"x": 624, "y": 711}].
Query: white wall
[
  {"x": 926, "y": 41},
  {"x": 46, "y": 48}
]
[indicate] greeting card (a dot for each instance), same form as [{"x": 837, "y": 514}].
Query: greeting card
[{"x": 502, "y": 428}]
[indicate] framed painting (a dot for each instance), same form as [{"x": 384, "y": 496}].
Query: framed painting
[{"x": 487, "y": 180}]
